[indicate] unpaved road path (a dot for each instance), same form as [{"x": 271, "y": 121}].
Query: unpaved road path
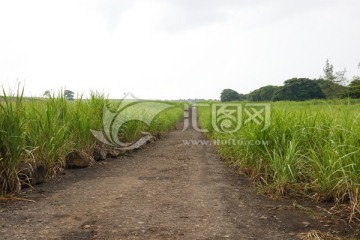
[{"x": 168, "y": 190}]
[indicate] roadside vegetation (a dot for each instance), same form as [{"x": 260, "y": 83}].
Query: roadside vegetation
[
  {"x": 312, "y": 145},
  {"x": 44, "y": 130},
  {"x": 311, "y": 148}
]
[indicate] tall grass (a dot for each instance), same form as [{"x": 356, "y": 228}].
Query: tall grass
[
  {"x": 45, "y": 130},
  {"x": 55, "y": 126},
  {"x": 12, "y": 139},
  {"x": 312, "y": 148},
  {"x": 147, "y": 112}
]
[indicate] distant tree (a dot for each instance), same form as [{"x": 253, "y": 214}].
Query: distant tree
[
  {"x": 69, "y": 95},
  {"x": 242, "y": 96},
  {"x": 266, "y": 93},
  {"x": 354, "y": 88},
  {"x": 299, "y": 89},
  {"x": 47, "y": 93},
  {"x": 356, "y": 77},
  {"x": 329, "y": 72},
  {"x": 338, "y": 78},
  {"x": 331, "y": 89},
  {"x": 228, "y": 95},
  {"x": 282, "y": 94}
]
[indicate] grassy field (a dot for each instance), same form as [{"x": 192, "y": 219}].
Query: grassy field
[
  {"x": 45, "y": 130},
  {"x": 310, "y": 148}
]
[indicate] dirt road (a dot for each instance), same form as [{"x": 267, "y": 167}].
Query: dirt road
[{"x": 168, "y": 190}]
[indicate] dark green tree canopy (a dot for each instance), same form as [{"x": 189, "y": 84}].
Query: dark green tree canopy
[
  {"x": 266, "y": 93},
  {"x": 332, "y": 89},
  {"x": 228, "y": 95},
  {"x": 354, "y": 88},
  {"x": 242, "y": 96},
  {"x": 69, "y": 95},
  {"x": 299, "y": 89}
]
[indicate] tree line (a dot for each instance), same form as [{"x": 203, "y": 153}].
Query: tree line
[
  {"x": 68, "y": 94},
  {"x": 329, "y": 86}
]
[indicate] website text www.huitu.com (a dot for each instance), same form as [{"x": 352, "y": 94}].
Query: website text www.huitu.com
[{"x": 219, "y": 142}]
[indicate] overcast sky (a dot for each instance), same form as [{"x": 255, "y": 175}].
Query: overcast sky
[{"x": 170, "y": 49}]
